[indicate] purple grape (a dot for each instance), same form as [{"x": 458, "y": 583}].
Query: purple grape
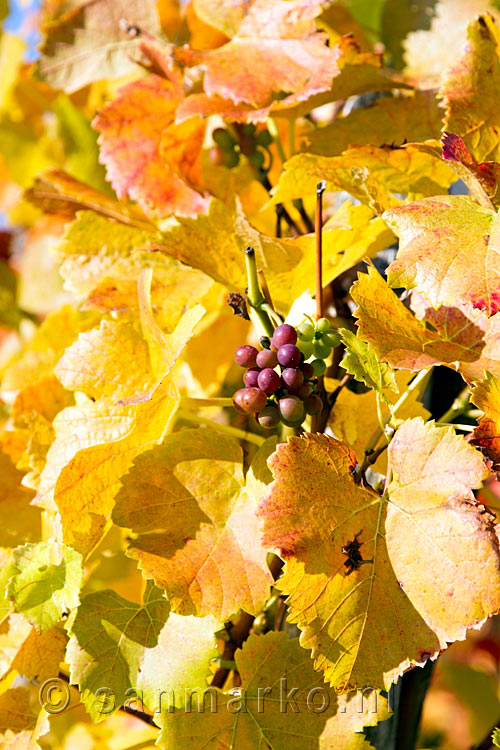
[
  {"x": 269, "y": 417},
  {"x": 313, "y": 405},
  {"x": 253, "y": 400},
  {"x": 289, "y": 355},
  {"x": 246, "y": 356},
  {"x": 238, "y": 401},
  {"x": 292, "y": 378},
  {"x": 284, "y": 334},
  {"x": 303, "y": 392},
  {"x": 269, "y": 380},
  {"x": 307, "y": 370},
  {"x": 251, "y": 376},
  {"x": 291, "y": 410},
  {"x": 267, "y": 358}
]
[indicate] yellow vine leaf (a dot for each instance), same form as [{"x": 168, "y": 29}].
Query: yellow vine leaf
[
  {"x": 486, "y": 396},
  {"x": 33, "y": 655},
  {"x": 367, "y": 606},
  {"x": 250, "y": 717},
  {"x": 469, "y": 90},
  {"x": 193, "y": 517},
  {"x": 440, "y": 239},
  {"x": 460, "y": 337},
  {"x": 392, "y": 170}
]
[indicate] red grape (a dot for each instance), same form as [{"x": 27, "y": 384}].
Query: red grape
[
  {"x": 289, "y": 355},
  {"x": 246, "y": 356},
  {"x": 269, "y": 380},
  {"x": 304, "y": 391},
  {"x": 238, "y": 401},
  {"x": 307, "y": 370},
  {"x": 253, "y": 400},
  {"x": 291, "y": 410},
  {"x": 251, "y": 377},
  {"x": 313, "y": 404},
  {"x": 292, "y": 378},
  {"x": 267, "y": 358},
  {"x": 284, "y": 334},
  {"x": 268, "y": 417}
]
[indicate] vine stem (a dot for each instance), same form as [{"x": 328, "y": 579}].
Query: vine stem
[
  {"x": 318, "y": 227},
  {"x": 457, "y": 408},
  {"x": 250, "y": 437},
  {"x": 254, "y": 295}
]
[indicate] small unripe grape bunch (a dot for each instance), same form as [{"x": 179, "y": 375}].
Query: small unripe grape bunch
[
  {"x": 316, "y": 341},
  {"x": 279, "y": 385}
]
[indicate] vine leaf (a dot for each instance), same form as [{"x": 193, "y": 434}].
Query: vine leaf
[
  {"x": 180, "y": 661},
  {"x": 33, "y": 655},
  {"x": 468, "y": 90},
  {"x": 197, "y": 535},
  {"x": 361, "y": 362},
  {"x": 460, "y": 336},
  {"x": 439, "y": 239},
  {"x": 109, "y": 637},
  {"x": 45, "y": 582},
  {"x": 251, "y": 716},
  {"x": 354, "y": 580},
  {"x": 88, "y": 43},
  {"x": 148, "y": 156},
  {"x": 486, "y": 396}
]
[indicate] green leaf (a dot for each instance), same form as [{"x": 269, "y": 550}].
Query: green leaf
[
  {"x": 362, "y": 362},
  {"x": 496, "y": 737},
  {"x": 45, "y": 582},
  {"x": 109, "y": 639}
]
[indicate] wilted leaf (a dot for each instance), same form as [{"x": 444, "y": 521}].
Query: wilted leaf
[
  {"x": 109, "y": 638},
  {"x": 450, "y": 249},
  {"x": 272, "y": 667},
  {"x": 148, "y": 157},
  {"x": 469, "y": 90},
  {"x": 45, "y": 582},
  {"x": 355, "y": 582},
  {"x": 197, "y": 535},
  {"x": 88, "y": 42},
  {"x": 359, "y": 360}
]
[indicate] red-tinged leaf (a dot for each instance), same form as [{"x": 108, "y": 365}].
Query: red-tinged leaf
[
  {"x": 146, "y": 155},
  {"x": 486, "y": 396},
  {"x": 487, "y": 174},
  {"x": 450, "y": 250}
]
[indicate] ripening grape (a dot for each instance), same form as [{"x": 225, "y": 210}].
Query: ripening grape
[
  {"x": 253, "y": 400},
  {"x": 319, "y": 367},
  {"x": 307, "y": 370},
  {"x": 246, "y": 356},
  {"x": 313, "y": 404},
  {"x": 304, "y": 391},
  {"x": 292, "y": 378},
  {"x": 238, "y": 401},
  {"x": 291, "y": 410},
  {"x": 267, "y": 358},
  {"x": 251, "y": 377},
  {"x": 269, "y": 380},
  {"x": 323, "y": 325},
  {"x": 331, "y": 338},
  {"x": 284, "y": 334},
  {"x": 269, "y": 417},
  {"x": 289, "y": 355},
  {"x": 321, "y": 350},
  {"x": 306, "y": 347},
  {"x": 305, "y": 331}
]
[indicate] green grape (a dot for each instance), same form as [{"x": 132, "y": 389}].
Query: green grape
[
  {"x": 323, "y": 324},
  {"x": 331, "y": 339},
  {"x": 319, "y": 367},
  {"x": 230, "y": 159},
  {"x": 291, "y": 410},
  {"x": 223, "y": 139},
  {"x": 248, "y": 129},
  {"x": 268, "y": 417},
  {"x": 264, "y": 138},
  {"x": 321, "y": 350},
  {"x": 306, "y": 347},
  {"x": 305, "y": 331},
  {"x": 257, "y": 159}
]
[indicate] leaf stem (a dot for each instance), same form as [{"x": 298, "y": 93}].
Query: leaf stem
[
  {"x": 458, "y": 407},
  {"x": 273, "y": 129},
  {"x": 255, "y": 297},
  {"x": 250, "y": 437},
  {"x": 462, "y": 427}
]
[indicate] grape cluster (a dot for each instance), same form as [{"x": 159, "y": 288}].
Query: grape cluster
[
  {"x": 276, "y": 396},
  {"x": 317, "y": 339},
  {"x": 251, "y": 144}
]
